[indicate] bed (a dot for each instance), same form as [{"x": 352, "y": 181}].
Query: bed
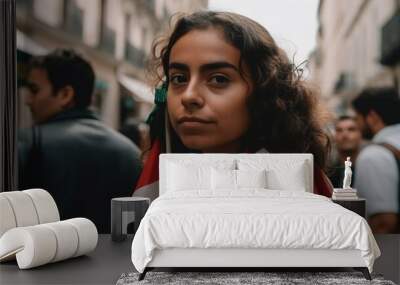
[{"x": 246, "y": 211}]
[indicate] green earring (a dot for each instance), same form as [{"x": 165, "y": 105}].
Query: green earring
[
  {"x": 161, "y": 94},
  {"x": 160, "y": 98}
]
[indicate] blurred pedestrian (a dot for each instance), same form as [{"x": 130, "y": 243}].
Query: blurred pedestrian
[
  {"x": 69, "y": 151},
  {"x": 378, "y": 164},
  {"x": 347, "y": 140}
]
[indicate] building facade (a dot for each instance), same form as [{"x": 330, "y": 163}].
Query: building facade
[
  {"x": 114, "y": 35},
  {"x": 358, "y": 46}
]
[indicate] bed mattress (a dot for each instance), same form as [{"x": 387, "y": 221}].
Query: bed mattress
[{"x": 251, "y": 219}]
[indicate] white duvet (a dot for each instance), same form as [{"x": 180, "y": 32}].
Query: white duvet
[{"x": 252, "y": 218}]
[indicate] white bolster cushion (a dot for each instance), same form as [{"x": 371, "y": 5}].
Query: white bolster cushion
[
  {"x": 45, "y": 205},
  {"x": 23, "y": 208},
  {"x": 26, "y": 208},
  {"x": 87, "y": 234},
  {"x": 40, "y": 244},
  {"x": 7, "y": 219},
  {"x": 32, "y": 246},
  {"x": 66, "y": 237}
]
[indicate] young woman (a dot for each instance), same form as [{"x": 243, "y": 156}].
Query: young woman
[{"x": 229, "y": 89}]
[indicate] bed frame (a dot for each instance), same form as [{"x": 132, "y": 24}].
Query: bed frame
[
  {"x": 242, "y": 259},
  {"x": 246, "y": 258}
]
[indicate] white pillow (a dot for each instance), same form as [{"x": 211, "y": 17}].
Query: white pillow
[
  {"x": 293, "y": 180},
  {"x": 193, "y": 174},
  {"x": 236, "y": 179},
  {"x": 223, "y": 179},
  {"x": 283, "y": 174},
  {"x": 251, "y": 178},
  {"x": 181, "y": 177}
]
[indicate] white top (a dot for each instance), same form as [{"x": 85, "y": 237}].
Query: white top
[{"x": 376, "y": 174}]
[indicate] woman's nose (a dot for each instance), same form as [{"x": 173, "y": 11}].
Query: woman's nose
[{"x": 191, "y": 98}]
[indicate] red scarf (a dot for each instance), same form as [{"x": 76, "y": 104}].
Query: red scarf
[
  {"x": 147, "y": 185},
  {"x": 322, "y": 184}
]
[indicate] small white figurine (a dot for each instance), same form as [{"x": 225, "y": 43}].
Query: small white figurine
[{"x": 347, "y": 174}]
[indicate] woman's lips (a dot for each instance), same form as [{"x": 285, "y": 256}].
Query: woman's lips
[
  {"x": 186, "y": 119},
  {"x": 193, "y": 124}
]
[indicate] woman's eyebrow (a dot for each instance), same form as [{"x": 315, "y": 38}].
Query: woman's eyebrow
[
  {"x": 204, "y": 67},
  {"x": 179, "y": 66},
  {"x": 217, "y": 65}
]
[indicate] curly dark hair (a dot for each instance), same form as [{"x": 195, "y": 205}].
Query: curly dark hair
[
  {"x": 284, "y": 117},
  {"x": 383, "y": 100}
]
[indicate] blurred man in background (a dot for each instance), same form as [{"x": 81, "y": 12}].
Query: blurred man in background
[
  {"x": 348, "y": 140},
  {"x": 69, "y": 152},
  {"x": 378, "y": 165}
]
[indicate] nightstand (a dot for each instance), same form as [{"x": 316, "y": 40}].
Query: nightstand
[
  {"x": 124, "y": 211},
  {"x": 356, "y": 205}
]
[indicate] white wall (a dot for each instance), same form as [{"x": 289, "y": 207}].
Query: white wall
[
  {"x": 351, "y": 41},
  {"x": 49, "y": 11}
]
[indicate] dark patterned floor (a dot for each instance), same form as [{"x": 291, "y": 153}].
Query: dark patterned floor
[{"x": 230, "y": 278}]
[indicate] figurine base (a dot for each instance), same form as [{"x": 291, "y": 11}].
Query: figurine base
[{"x": 344, "y": 189}]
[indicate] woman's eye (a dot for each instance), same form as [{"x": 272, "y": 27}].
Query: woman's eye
[
  {"x": 178, "y": 79},
  {"x": 219, "y": 80}
]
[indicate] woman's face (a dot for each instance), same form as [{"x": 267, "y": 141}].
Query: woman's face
[{"x": 207, "y": 95}]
